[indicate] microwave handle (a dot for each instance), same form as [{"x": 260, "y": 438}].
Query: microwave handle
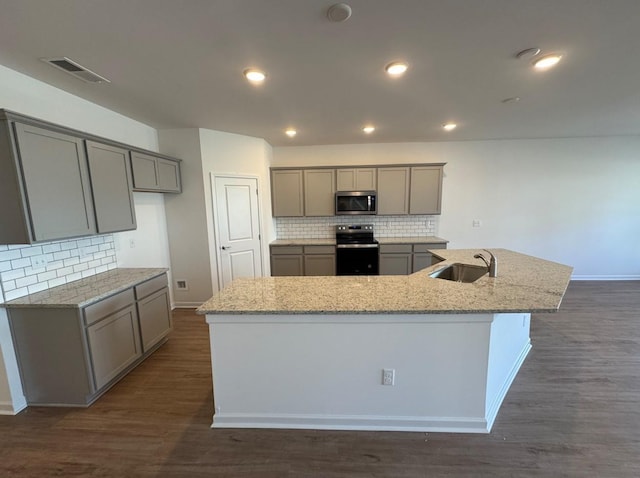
[{"x": 368, "y": 203}]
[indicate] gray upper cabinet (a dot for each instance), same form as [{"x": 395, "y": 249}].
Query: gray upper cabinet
[
  {"x": 287, "y": 192},
  {"x": 319, "y": 192},
  {"x": 356, "y": 179},
  {"x": 393, "y": 190},
  {"x": 155, "y": 174},
  {"x": 426, "y": 190},
  {"x": 56, "y": 183},
  {"x": 59, "y": 183},
  {"x": 110, "y": 174}
]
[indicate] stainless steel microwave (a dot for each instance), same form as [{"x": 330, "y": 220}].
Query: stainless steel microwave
[{"x": 356, "y": 202}]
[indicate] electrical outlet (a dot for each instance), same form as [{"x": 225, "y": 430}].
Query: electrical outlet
[
  {"x": 132, "y": 243},
  {"x": 39, "y": 261},
  {"x": 388, "y": 376}
]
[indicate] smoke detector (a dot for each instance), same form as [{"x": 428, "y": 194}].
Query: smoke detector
[
  {"x": 339, "y": 12},
  {"x": 75, "y": 69}
]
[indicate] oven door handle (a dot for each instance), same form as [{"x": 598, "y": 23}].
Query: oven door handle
[{"x": 357, "y": 246}]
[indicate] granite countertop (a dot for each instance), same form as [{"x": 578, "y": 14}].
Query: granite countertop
[
  {"x": 330, "y": 241},
  {"x": 524, "y": 284},
  {"x": 86, "y": 291}
]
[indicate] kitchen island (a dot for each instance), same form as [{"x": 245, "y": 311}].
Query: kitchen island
[{"x": 409, "y": 353}]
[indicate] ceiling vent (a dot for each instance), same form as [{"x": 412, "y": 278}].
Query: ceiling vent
[{"x": 75, "y": 69}]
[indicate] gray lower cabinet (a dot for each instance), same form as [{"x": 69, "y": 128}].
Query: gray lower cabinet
[
  {"x": 45, "y": 193},
  {"x": 287, "y": 261},
  {"x": 70, "y": 356},
  {"x": 153, "y": 311},
  {"x": 319, "y": 260},
  {"x": 403, "y": 259},
  {"x": 111, "y": 183},
  {"x": 396, "y": 259},
  {"x": 303, "y": 260},
  {"x": 114, "y": 344},
  {"x": 155, "y": 174}
]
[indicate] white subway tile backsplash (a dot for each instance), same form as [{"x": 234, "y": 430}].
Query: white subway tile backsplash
[
  {"x": 14, "y": 294},
  {"x": 66, "y": 261},
  {"x": 9, "y": 255},
  {"x": 384, "y": 226},
  {"x": 56, "y": 282},
  {"x": 50, "y": 248},
  {"x": 26, "y": 281},
  {"x": 31, "y": 251}
]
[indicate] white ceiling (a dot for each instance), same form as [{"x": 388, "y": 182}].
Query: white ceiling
[{"x": 179, "y": 63}]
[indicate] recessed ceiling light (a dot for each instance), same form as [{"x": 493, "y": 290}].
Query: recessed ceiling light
[
  {"x": 513, "y": 99},
  {"x": 291, "y": 132},
  {"x": 339, "y": 12},
  {"x": 527, "y": 53},
  {"x": 254, "y": 76},
  {"x": 396, "y": 68},
  {"x": 369, "y": 129},
  {"x": 449, "y": 126},
  {"x": 547, "y": 61}
]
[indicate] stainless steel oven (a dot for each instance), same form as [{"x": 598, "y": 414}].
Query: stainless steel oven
[{"x": 357, "y": 252}]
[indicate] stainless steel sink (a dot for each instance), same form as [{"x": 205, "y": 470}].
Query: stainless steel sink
[{"x": 460, "y": 272}]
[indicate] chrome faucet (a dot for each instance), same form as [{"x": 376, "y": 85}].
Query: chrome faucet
[{"x": 492, "y": 265}]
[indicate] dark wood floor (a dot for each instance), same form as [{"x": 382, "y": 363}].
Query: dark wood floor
[{"x": 573, "y": 410}]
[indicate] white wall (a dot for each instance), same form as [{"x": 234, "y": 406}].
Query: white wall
[
  {"x": 26, "y": 95},
  {"x": 233, "y": 154},
  {"x": 186, "y": 220},
  {"x": 574, "y": 201}
]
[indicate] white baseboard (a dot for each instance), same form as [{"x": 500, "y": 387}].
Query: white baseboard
[
  {"x": 187, "y": 305},
  {"x": 348, "y": 422},
  {"x": 8, "y": 408},
  {"x": 492, "y": 411},
  {"x": 600, "y": 277}
]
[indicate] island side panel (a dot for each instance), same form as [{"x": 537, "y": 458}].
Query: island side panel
[
  {"x": 325, "y": 372},
  {"x": 509, "y": 346}
]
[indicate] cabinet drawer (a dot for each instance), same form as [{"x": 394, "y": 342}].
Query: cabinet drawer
[
  {"x": 150, "y": 286},
  {"x": 319, "y": 249},
  {"x": 277, "y": 250},
  {"x": 395, "y": 248},
  {"x": 427, "y": 247},
  {"x": 97, "y": 311}
]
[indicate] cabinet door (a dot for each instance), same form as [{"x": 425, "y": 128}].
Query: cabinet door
[
  {"x": 426, "y": 190},
  {"x": 114, "y": 344},
  {"x": 110, "y": 174},
  {"x": 169, "y": 176},
  {"x": 320, "y": 264},
  {"x": 56, "y": 182},
  {"x": 421, "y": 260},
  {"x": 356, "y": 179},
  {"x": 155, "y": 318},
  {"x": 393, "y": 190},
  {"x": 286, "y": 193},
  {"x": 319, "y": 192},
  {"x": 145, "y": 171},
  {"x": 395, "y": 264},
  {"x": 287, "y": 265}
]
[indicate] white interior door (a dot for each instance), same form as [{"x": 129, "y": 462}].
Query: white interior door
[{"x": 236, "y": 206}]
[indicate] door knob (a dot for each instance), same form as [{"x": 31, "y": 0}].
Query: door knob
[{"x": 224, "y": 248}]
